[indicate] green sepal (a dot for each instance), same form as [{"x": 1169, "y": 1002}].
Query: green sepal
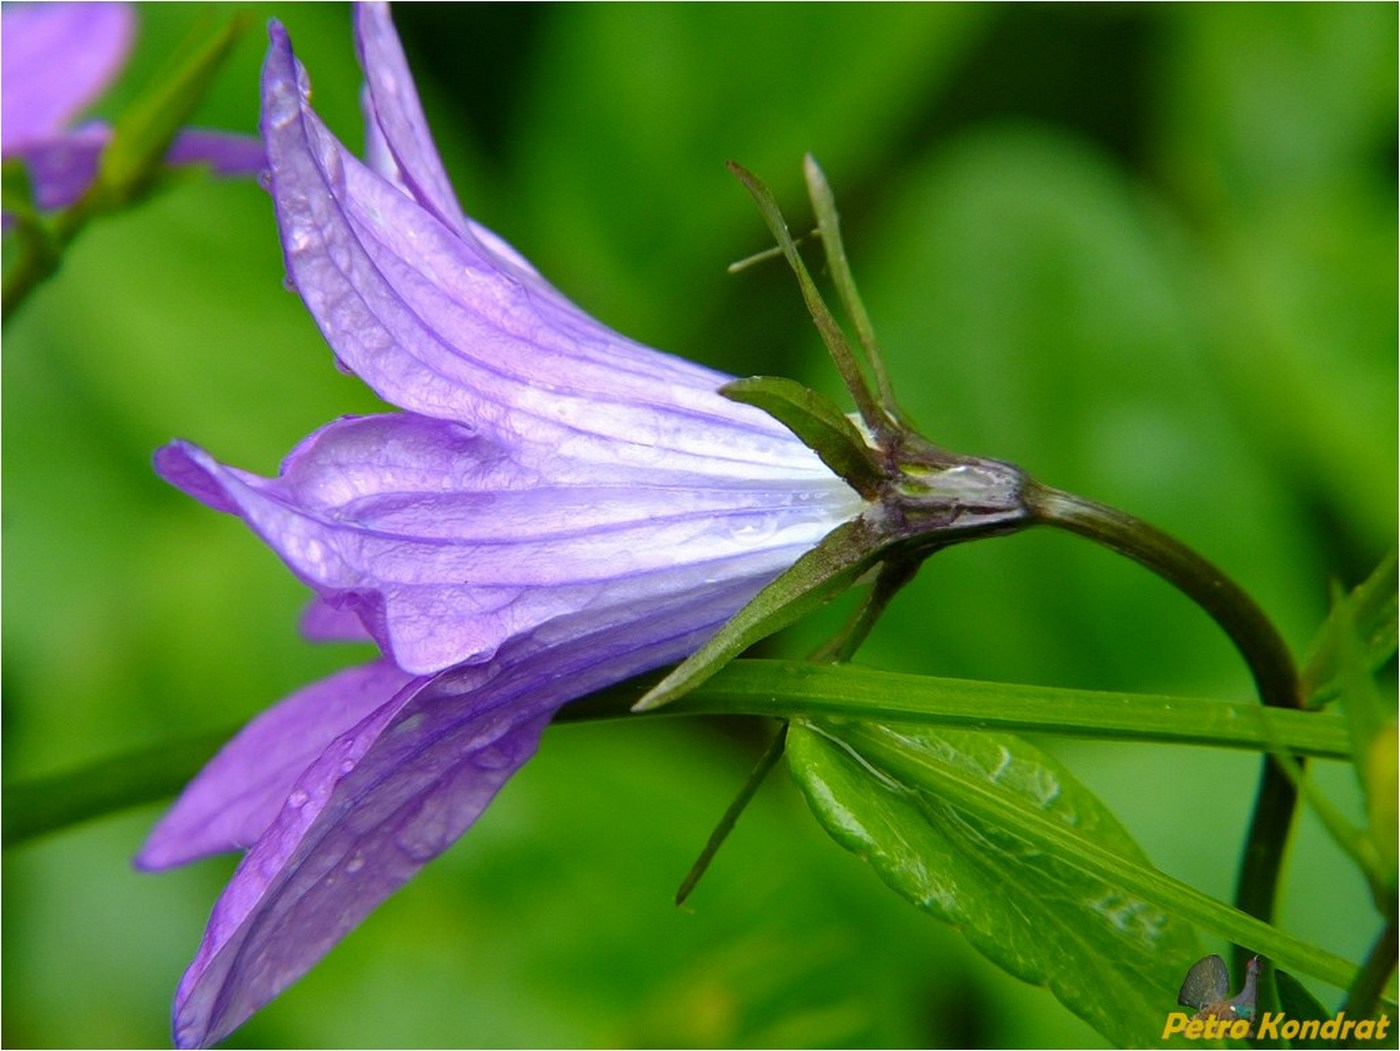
[
  {"x": 842, "y": 355},
  {"x": 966, "y": 824},
  {"x": 816, "y": 420},
  {"x": 1371, "y": 609},
  {"x": 818, "y": 576},
  {"x": 144, "y": 131}
]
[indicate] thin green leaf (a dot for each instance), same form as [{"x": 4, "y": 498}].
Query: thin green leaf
[
  {"x": 941, "y": 815},
  {"x": 841, "y": 353},
  {"x": 751, "y": 785},
  {"x": 144, "y": 131},
  {"x": 815, "y": 578},
  {"x": 1371, "y": 608},
  {"x": 822, "y": 427},
  {"x": 779, "y": 689},
  {"x": 829, "y": 223},
  {"x": 786, "y": 689}
]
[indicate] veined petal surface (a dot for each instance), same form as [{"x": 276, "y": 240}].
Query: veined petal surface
[
  {"x": 445, "y": 544},
  {"x": 240, "y": 791},
  {"x": 395, "y": 790},
  {"x": 439, "y": 323}
]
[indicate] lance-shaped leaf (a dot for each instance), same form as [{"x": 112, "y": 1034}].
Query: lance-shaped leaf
[
  {"x": 144, "y": 132},
  {"x": 986, "y": 832},
  {"x": 823, "y": 427}
]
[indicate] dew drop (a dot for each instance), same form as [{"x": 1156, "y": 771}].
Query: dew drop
[
  {"x": 297, "y": 799},
  {"x": 347, "y": 766},
  {"x": 754, "y": 530},
  {"x": 355, "y": 863}
]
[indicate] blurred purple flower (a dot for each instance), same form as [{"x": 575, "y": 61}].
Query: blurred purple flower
[
  {"x": 58, "y": 58},
  {"x": 556, "y": 509}
]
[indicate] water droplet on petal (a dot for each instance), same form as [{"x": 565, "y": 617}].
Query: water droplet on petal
[
  {"x": 356, "y": 862},
  {"x": 297, "y": 799}
]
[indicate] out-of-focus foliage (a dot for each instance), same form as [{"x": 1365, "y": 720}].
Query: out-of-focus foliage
[{"x": 1148, "y": 253}]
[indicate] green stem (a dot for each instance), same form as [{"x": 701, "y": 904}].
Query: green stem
[
  {"x": 1364, "y": 993},
  {"x": 1268, "y": 657}
]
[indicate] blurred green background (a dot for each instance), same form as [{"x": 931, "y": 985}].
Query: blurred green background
[{"x": 1149, "y": 253}]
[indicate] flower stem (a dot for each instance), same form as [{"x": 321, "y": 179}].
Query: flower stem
[
  {"x": 1268, "y": 657},
  {"x": 1371, "y": 979}
]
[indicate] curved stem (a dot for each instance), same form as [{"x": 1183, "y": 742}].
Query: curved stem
[{"x": 1268, "y": 657}]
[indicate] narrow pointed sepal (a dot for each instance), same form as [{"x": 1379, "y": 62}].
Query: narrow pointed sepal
[
  {"x": 823, "y": 428},
  {"x": 815, "y": 578}
]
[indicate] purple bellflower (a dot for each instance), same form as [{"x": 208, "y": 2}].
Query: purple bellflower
[
  {"x": 556, "y": 508},
  {"x": 59, "y": 57}
]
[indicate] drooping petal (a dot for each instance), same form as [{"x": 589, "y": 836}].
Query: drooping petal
[
  {"x": 240, "y": 791},
  {"x": 445, "y": 545},
  {"x": 62, "y": 166},
  {"x": 394, "y": 117},
  {"x": 223, "y": 153},
  {"x": 439, "y": 323},
  {"x": 394, "y": 791},
  {"x": 54, "y": 60}
]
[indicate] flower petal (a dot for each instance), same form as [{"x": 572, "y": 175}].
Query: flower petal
[
  {"x": 223, "y": 152},
  {"x": 394, "y": 791},
  {"x": 445, "y": 545},
  {"x": 63, "y": 165},
  {"x": 395, "y": 115},
  {"x": 438, "y": 323},
  {"x": 240, "y": 791},
  {"x": 54, "y": 60}
]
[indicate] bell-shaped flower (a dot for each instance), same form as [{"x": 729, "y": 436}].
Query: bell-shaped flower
[
  {"x": 57, "y": 59},
  {"x": 555, "y": 508}
]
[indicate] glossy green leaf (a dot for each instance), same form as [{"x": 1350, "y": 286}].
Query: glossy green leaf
[
  {"x": 817, "y": 421},
  {"x": 988, "y": 833},
  {"x": 1109, "y": 956}
]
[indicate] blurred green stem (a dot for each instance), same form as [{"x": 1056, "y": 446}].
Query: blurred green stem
[
  {"x": 1364, "y": 993},
  {"x": 1254, "y": 635}
]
